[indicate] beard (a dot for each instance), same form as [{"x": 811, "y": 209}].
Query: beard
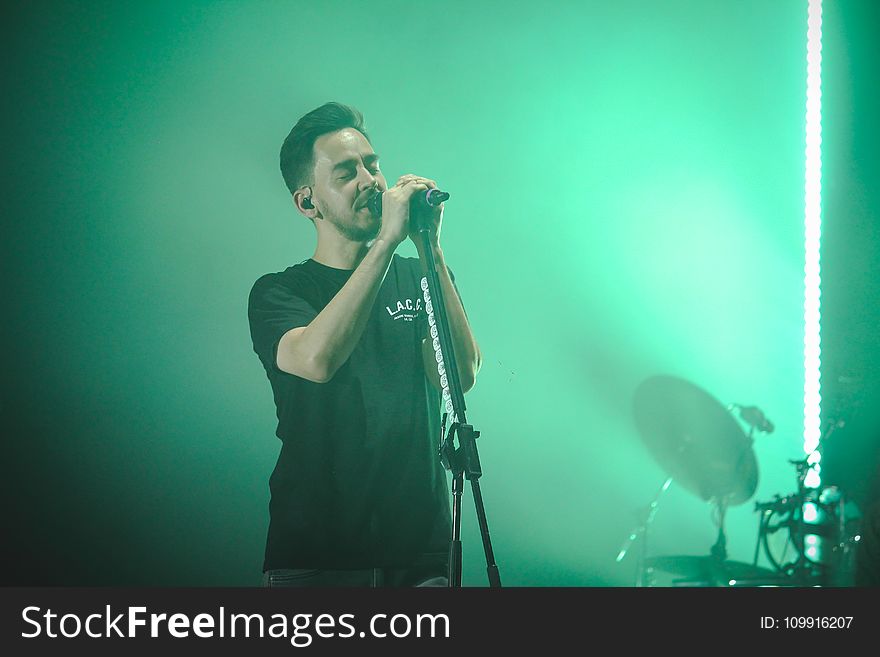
[{"x": 355, "y": 229}]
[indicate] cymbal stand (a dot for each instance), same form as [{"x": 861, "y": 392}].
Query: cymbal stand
[
  {"x": 719, "y": 550},
  {"x": 646, "y": 517}
]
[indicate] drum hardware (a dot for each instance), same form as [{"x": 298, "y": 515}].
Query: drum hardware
[
  {"x": 814, "y": 524},
  {"x": 703, "y": 448},
  {"x": 817, "y": 527},
  {"x": 703, "y": 571}
]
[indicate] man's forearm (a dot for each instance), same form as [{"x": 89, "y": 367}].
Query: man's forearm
[{"x": 322, "y": 347}]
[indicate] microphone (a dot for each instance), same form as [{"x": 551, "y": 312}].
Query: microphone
[
  {"x": 426, "y": 200},
  {"x": 753, "y": 416}
]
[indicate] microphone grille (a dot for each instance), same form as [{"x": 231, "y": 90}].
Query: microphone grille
[{"x": 375, "y": 204}]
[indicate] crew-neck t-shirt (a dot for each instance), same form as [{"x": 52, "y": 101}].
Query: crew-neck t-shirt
[{"x": 358, "y": 482}]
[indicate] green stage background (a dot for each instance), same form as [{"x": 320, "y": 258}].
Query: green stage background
[{"x": 627, "y": 200}]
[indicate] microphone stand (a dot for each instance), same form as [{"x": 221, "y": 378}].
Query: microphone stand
[{"x": 464, "y": 460}]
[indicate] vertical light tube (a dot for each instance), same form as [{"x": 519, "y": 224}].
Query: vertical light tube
[{"x": 812, "y": 239}]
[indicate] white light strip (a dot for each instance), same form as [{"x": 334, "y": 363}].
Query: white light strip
[{"x": 812, "y": 237}]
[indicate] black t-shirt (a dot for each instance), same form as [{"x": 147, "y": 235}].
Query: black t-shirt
[{"x": 358, "y": 483}]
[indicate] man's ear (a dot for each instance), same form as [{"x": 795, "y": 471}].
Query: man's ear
[{"x": 302, "y": 199}]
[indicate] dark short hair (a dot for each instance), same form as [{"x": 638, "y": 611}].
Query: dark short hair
[{"x": 297, "y": 151}]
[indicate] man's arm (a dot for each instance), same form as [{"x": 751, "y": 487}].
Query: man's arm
[{"x": 315, "y": 352}]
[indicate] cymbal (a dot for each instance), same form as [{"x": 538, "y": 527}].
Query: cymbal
[
  {"x": 695, "y": 439},
  {"x": 707, "y": 569}
]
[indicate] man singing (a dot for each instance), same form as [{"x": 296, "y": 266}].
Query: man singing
[{"x": 358, "y": 495}]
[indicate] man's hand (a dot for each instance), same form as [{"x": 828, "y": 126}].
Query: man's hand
[
  {"x": 395, "y": 208},
  {"x": 434, "y": 216}
]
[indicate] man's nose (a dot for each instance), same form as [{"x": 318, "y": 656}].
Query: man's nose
[{"x": 366, "y": 179}]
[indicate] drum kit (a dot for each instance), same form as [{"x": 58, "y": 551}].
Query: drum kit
[{"x": 807, "y": 537}]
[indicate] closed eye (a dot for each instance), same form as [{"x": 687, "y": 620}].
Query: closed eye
[
  {"x": 348, "y": 168},
  {"x": 349, "y": 174}
]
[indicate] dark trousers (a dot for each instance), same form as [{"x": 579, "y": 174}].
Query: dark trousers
[{"x": 364, "y": 578}]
